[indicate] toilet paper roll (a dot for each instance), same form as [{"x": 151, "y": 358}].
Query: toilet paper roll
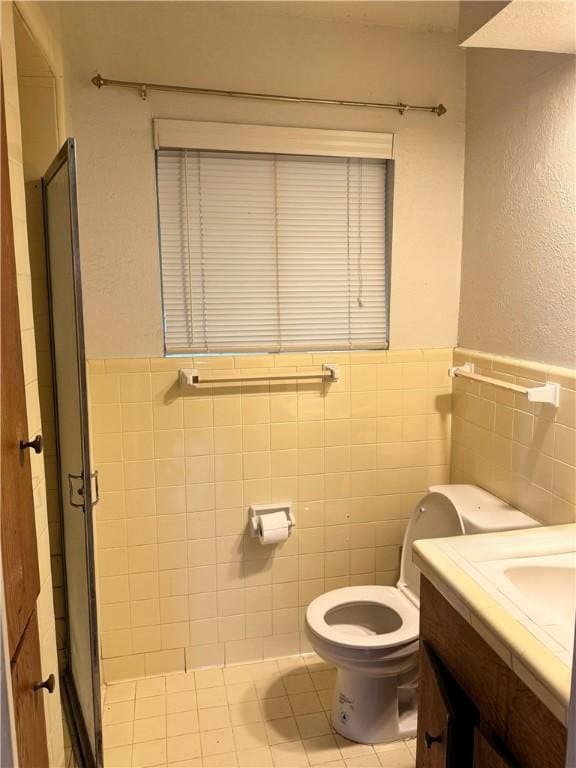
[{"x": 273, "y": 528}]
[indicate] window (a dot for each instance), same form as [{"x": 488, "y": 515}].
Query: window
[{"x": 272, "y": 252}]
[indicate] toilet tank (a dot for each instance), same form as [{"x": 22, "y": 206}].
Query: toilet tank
[{"x": 454, "y": 510}]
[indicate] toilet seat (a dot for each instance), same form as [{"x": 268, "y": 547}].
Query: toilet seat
[
  {"x": 364, "y": 617},
  {"x": 370, "y": 633}
]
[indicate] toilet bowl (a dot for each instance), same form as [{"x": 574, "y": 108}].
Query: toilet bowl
[{"x": 370, "y": 633}]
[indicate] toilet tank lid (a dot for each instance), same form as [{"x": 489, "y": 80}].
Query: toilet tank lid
[{"x": 481, "y": 511}]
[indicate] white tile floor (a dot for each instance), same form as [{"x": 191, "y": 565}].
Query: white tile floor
[{"x": 274, "y": 713}]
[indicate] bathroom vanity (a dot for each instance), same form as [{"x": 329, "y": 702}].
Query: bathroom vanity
[
  {"x": 495, "y": 649},
  {"x": 473, "y": 709}
]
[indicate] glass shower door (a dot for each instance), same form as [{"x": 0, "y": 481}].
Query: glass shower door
[{"x": 78, "y": 489}]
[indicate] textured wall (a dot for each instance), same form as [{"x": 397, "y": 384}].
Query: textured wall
[
  {"x": 180, "y": 580},
  {"x": 518, "y": 290},
  {"x": 228, "y": 47},
  {"x": 539, "y": 25}
]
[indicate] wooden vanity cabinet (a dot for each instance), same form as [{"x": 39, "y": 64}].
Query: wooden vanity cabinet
[
  {"x": 473, "y": 710},
  {"x": 446, "y": 731},
  {"x": 487, "y": 754}
]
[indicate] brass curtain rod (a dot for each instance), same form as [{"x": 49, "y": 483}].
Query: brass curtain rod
[{"x": 143, "y": 89}]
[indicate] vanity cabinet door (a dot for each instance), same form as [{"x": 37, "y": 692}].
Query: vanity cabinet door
[
  {"x": 487, "y": 755},
  {"x": 445, "y": 717},
  {"x": 435, "y": 714},
  {"x": 521, "y": 727}
]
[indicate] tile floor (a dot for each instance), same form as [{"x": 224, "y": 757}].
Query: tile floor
[{"x": 271, "y": 714}]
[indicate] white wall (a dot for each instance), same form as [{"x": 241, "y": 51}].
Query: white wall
[
  {"x": 228, "y": 47},
  {"x": 518, "y": 293}
]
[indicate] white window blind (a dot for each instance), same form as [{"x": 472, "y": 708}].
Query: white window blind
[{"x": 263, "y": 252}]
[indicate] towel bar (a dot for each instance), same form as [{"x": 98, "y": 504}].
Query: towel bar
[
  {"x": 191, "y": 377},
  {"x": 548, "y": 393}
]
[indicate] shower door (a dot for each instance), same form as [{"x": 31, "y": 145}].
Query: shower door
[{"x": 78, "y": 489}]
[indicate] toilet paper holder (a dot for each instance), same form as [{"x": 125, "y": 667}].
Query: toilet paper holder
[{"x": 259, "y": 510}]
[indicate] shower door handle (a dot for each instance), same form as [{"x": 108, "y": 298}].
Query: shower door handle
[
  {"x": 96, "y": 488},
  {"x": 76, "y": 489}
]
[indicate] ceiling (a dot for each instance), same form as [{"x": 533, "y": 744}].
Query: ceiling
[
  {"x": 156, "y": 41},
  {"x": 529, "y": 25},
  {"x": 433, "y": 15}
]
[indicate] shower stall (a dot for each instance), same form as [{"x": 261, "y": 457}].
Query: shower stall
[{"x": 77, "y": 484}]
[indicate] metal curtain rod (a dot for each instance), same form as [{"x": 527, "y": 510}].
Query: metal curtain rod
[{"x": 143, "y": 89}]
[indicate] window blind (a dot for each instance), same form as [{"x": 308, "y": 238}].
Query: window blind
[{"x": 264, "y": 252}]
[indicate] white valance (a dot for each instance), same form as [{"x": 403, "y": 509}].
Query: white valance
[{"x": 232, "y": 137}]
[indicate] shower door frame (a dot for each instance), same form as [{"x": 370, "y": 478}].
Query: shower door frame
[{"x": 70, "y": 700}]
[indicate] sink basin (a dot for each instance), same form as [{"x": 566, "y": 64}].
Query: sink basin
[
  {"x": 543, "y": 587},
  {"x": 520, "y": 588},
  {"x": 551, "y": 587}
]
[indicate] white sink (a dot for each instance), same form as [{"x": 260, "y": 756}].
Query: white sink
[
  {"x": 518, "y": 588},
  {"x": 543, "y": 587},
  {"x": 551, "y": 586}
]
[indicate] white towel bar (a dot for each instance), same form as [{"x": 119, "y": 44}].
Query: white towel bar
[
  {"x": 548, "y": 393},
  {"x": 191, "y": 377}
]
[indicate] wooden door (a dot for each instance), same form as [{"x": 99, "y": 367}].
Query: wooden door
[
  {"x": 445, "y": 717},
  {"x": 488, "y": 755},
  {"x": 17, "y": 521},
  {"x": 28, "y": 700},
  {"x": 19, "y": 547}
]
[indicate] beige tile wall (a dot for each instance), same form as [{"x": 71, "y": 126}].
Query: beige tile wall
[
  {"x": 523, "y": 452},
  {"x": 40, "y": 143},
  {"x": 181, "y": 584},
  {"x": 44, "y": 604}
]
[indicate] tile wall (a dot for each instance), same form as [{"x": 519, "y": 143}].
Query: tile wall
[
  {"x": 181, "y": 585},
  {"x": 523, "y": 452},
  {"x": 40, "y": 143}
]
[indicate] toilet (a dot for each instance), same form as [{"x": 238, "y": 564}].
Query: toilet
[{"x": 370, "y": 633}]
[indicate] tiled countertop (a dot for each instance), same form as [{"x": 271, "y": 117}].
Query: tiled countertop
[{"x": 465, "y": 570}]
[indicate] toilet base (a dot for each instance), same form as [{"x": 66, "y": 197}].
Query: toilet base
[{"x": 372, "y": 710}]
